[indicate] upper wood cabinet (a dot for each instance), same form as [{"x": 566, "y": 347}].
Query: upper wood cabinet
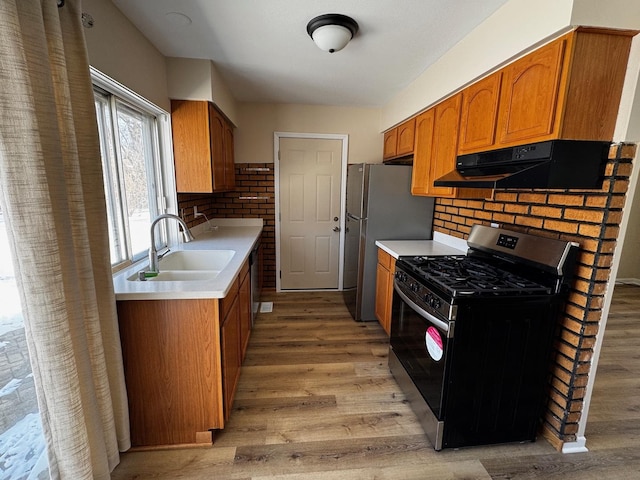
[
  {"x": 421, "y": 183},
  {"x": 529, "y": 95},
  {"x": 569, "y": 88},
  {"x": 445, "y": 144},
  {"x": 479, "y": 113},
  {"x": 406, "y": 134},
  {"x": 435, "y": 151},
  {"x": 202, "y": 147},
  {"x": 399, "y": 141},
  {"x": 390, "y": 144}
]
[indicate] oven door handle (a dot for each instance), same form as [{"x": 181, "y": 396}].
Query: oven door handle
[{"x": 420, "y": 311}]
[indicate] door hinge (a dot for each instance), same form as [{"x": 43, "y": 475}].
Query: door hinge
[
  {"x": 281, "y": 274},
  {"x": 278, "y": 154}
]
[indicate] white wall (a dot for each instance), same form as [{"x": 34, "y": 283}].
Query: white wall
[
  {"x": 518, "y": 26},
  {"x": 199, "y": 79},
  {"x": 258, "y": 121},
  {"x": 188, "y": 78},
  {"x": 118, "y": 49}
]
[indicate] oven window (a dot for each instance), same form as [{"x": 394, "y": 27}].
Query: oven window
[{"x": 422, "y": 349}]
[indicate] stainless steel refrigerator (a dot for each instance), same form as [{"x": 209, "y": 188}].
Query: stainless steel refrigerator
[{"x": 379, "y": 207}]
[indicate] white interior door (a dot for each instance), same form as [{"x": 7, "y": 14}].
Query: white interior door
[{"x": 310, "y": 173}]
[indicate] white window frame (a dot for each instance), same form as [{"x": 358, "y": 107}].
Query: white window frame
[{"x": 168, "y": 202}]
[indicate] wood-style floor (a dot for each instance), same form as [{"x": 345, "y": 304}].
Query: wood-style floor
[{"x": 316, "y": 401}]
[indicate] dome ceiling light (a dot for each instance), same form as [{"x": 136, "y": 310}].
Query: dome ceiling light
[{"x": 332, "y": 31}]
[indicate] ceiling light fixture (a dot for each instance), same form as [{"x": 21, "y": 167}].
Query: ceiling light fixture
[{"x": 332, "y": 31}]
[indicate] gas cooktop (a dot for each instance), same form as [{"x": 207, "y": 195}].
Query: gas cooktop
[{"x": 464, "y": 275}]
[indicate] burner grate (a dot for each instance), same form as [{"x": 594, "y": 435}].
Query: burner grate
[{"x": 461, "y": 275}]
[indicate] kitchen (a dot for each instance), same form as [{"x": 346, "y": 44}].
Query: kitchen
[{"x": 366, "y": 143}]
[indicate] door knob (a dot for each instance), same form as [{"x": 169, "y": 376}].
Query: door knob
[
  {"x": 335, "y": 219},
  {"x": 336, "y": 229}
]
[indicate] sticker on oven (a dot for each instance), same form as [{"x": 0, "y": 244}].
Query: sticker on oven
[{"x": 433, "y": 340}]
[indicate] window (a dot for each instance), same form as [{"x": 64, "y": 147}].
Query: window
[
  {"x": 22, "y": 445},
  {"x": 135, "y": 170}
]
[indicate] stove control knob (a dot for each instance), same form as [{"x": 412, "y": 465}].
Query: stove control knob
[
  {"x": 435, "y": 302},
  {"x": 401, "y": 276},
  {"x": 414, "y": 287}
]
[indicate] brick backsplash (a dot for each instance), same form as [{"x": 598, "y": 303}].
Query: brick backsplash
[
  {"x": 588, "y": 217},
  {"x": 253, "y": 197}
]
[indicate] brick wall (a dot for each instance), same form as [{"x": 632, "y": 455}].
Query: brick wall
[
  {"x": 253, "y": 197},
  {"x": 589, "y": 217}
]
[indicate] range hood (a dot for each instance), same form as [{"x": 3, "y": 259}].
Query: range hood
[{"x": 550, "y": 164}]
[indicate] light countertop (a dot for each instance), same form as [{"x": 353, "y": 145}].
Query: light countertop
[
  {"x": 239, "y": 235},
  {"x": 440, "y": 245}
]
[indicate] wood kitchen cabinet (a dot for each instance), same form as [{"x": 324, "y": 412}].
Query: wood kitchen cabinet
[
  {"x": 182, "y": 362},
  {"x": 244, "y": 298},
  {"x": 399, "y": 141},
  {"x": 202, "y": 147},
  {"x": 479, "y": 111},
  {"x": 436, "y": 149},
  {"x": 390, "y": 147},
  {"x": 231, "y": 355},
  {"x": 530, "y": 95},
  {"x": 384, "y": 289},
  {"x": 569, "y": 88}
]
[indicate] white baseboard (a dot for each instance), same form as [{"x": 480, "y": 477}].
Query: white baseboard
[
  {"x": 628, "y": 281},
  {"x": 579, "y": 446}
]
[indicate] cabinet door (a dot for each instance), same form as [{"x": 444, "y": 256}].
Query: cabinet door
[
  {"x": 230, "y": 338},
  {"x": 445, "y": 144},
  {"x": 387, "y": 320},
  {"x": 382, "y": 287},
  {"x": 479, "y": 113},
  {"x": 191, "y": 146},
  {"x": 229, "y": 161},
  {"x": 406, "y": 135},
  {"x": 217, "y": 130},
  {"x": 529, "y": 95},
  {"x": 422, "y": 152},
  {"x": 390, "y": 144},
  {"x": 244, "y": 299}
]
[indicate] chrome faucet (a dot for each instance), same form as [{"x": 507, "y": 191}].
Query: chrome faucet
[{"x": 153, "y": 253}]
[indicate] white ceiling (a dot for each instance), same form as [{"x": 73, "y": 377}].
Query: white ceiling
[{"x": 263, "y": 52}]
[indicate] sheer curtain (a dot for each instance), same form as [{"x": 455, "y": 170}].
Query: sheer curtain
[{"x": 53, "y": 202}]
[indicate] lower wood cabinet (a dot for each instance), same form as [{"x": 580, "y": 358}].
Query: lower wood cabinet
[
  {"x": 231, "y": 355},
  {"x": 182, "y": 362},
  {"x": 245, "y": 306},
  {"x": 384, "y": 288}
]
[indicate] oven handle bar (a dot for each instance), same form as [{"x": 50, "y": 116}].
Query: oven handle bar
[{"x": 420, "y": 311}]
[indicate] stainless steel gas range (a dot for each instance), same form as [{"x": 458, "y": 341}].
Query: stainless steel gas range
[{"x": 471, "y": 335}]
